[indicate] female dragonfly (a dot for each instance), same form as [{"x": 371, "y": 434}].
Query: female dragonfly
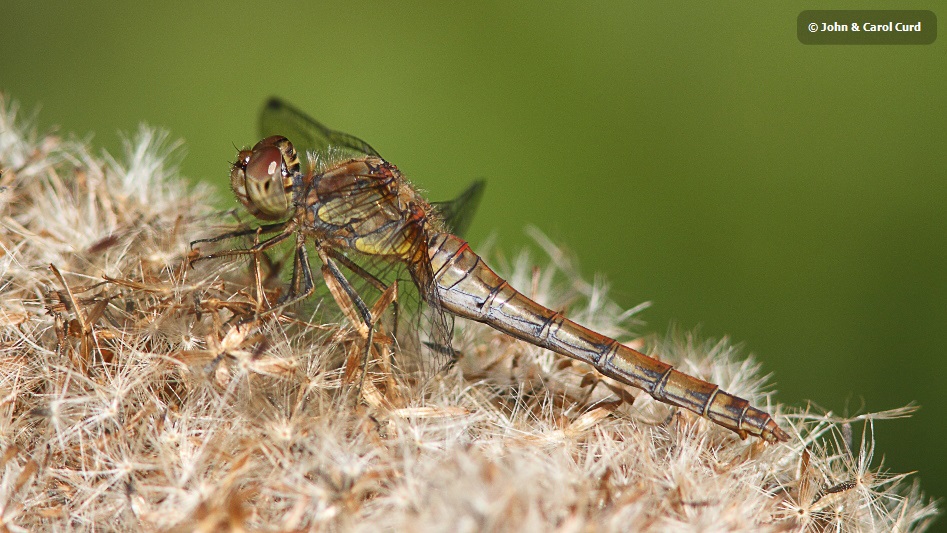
[{"x": 353, "y": 200}]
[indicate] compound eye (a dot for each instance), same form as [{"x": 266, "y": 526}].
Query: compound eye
[
  {"x": 265, "y": 163},
  {"x": 266, "y": 193}
]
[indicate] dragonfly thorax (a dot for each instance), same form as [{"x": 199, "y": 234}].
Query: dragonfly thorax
[{"x": 262, "y": 178}]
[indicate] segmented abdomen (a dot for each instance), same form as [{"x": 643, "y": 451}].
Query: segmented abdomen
[{"x": 467, "y": 287}]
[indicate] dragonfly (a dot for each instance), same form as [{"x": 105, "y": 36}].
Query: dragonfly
[{"x": 353, "y": 202}]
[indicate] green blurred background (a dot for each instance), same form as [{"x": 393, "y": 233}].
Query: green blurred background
[{"x": 790, "y": 196}]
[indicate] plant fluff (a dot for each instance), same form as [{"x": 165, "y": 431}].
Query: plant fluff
[{"x": 132, "y": 396}]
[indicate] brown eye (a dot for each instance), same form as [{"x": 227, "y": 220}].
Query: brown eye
[
  {"x": 261, "y": 178},
  {"x": 265, "y": 163}
]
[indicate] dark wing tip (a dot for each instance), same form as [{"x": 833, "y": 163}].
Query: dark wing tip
[
  {"x": 274, "y": 103},
  {"x": 476, "y": 188}
]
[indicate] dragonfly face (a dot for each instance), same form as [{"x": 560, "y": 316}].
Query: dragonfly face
[{"x": 262, "y": 178}]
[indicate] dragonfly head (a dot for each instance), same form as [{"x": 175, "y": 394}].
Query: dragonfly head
[{"x": 262, "y": 177}]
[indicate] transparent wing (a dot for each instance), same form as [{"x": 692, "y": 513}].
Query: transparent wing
[
  {"x": 418, "y": 321},
  {"x": 384, "y": 240},
  {"x": 307, "y": 133},
  {"x": 459, "y": 212}
]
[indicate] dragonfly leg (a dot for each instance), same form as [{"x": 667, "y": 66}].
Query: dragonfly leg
[
  {"x": 266, "y": 228},
  {"x": 372, "y": 280},
  {"x": 353, "y": 306},
  {"x": 301, "y": 286},
  {"x": 287, "y": 230}
]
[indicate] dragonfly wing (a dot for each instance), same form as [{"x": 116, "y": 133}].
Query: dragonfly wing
[
  {"x": 365, "y": 206},
  {"x": 423, "y": 329},
  {"x": 307, "y": 133},
  {"x": 459, "y": 212}
]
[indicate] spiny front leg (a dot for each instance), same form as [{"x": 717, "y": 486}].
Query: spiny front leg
[
  {"x": 286, "y": 230},
  {"x": 266, "y": 228}
]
